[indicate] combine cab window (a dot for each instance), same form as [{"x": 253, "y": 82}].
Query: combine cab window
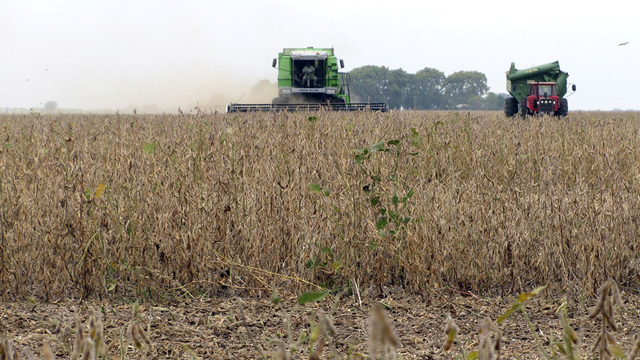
[{"x": 309, "y": 73}]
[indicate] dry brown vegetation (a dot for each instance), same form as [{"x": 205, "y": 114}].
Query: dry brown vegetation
[
  {"x": 402, "y": 209},
  {"x": 166, "y": 205}
]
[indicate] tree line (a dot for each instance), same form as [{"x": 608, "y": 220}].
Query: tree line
[{"x": 427, "y": 89}]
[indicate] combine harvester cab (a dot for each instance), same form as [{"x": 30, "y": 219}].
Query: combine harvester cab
[
  {"x": 537, "y": 90},
  {"x": 309, "y": 80}
]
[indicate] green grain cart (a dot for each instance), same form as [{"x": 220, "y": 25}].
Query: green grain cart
[
  {"x": 309, "y": 79},
  {"x": 537, "y": 90}
]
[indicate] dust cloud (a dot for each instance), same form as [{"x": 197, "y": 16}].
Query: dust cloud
[
  {"x": 209, "y": 97},
  {"x": 261, "y": 92}
]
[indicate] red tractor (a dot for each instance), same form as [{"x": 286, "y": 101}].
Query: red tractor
[
  {"x": 537, "y": 90},
  {"x": 543, "y": 99}
]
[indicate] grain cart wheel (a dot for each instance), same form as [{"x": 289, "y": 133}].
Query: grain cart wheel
[
  {"x": 563, "y": 109},
  {"x": 510, "y": 106},
  {"x": 523, "y": 109}
]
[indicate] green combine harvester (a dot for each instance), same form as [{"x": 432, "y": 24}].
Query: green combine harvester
[
  {"x": 537, "y": 90},
  {"x": 309, "y": 80}
]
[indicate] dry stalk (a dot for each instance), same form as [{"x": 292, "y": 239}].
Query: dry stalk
[
  {"x": 381, "y": 334},
  {"x": 605, "y": 343}
]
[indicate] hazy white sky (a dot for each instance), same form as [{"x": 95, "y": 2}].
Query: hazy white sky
[{"x": 115, "y": 54}]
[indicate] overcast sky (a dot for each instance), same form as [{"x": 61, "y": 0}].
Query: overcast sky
[{"x": 117, "y": 54}]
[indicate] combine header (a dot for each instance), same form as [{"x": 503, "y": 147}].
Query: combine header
[{"x": 309, "y": 80}]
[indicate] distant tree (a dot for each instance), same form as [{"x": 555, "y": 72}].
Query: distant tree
[
  {"x": 379, "y": 84},
  {"x": 461, "y": 87},
  {"x": 370, "y": 83},
  {"x": 427, "y": 89},
  {"x": 398, "y": 88},
  {"x": 50, "y": 105},
  {"x": 493, "y": 101}
]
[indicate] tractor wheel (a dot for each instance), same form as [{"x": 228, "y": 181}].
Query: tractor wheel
[
  {"x": 563, "y": 109},
  {"x": 523, "y": 109},
  {"x": 510, "y": 106}
]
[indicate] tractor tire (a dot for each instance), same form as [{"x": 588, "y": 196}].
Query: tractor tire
[
  {"x": 523, "y": 109},
  {"x": 563, "y": 109},
  {"x": 510, "y": 107}
]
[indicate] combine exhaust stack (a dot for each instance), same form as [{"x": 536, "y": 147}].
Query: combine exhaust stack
[{"x": 309, "y": 80}]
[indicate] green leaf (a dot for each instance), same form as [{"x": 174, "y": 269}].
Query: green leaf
[
  {"x": 375, "y": 200},
  {"x": 393, "y": 142},
  {"x": 150, "y": 148},
  {"x": 410, "y": 193},
  {"x": 8, "y": 145},
  {"x": 315, "y": 188},
  {"x": 311, "y": 296},
  {"x": 472, "y": 355},
  {"x": 325, "y": 192},
  {"x": 275, "y": 297},
  {"x": 519, "y": 301},
  {"x": 504, "y": 316},
  {"x": 382, "y": 222},
  {"x": 379, "y": 146},
  {"x": 308, "y": 264},
  {"x": 416, "y": 139},
  {"x": 395, "y": 200},
  {"x": 312, "y": 118}
]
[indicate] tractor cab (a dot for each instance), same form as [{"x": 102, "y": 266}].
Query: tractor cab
[{"x": 543, "y": 98}]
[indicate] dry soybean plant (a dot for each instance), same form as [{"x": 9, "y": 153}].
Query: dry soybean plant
[
  {"x": 321, "y": 334},
  {"x": 86, "y": 346},
  {"x": 568, "y": 347},
  {"x": 160, "y": 206}
]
